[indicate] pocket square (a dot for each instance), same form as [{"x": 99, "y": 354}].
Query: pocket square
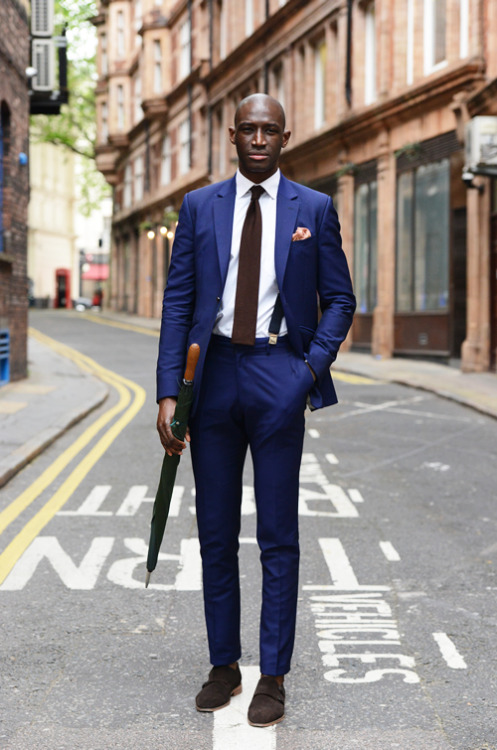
[{"x": 301, "y": 233}]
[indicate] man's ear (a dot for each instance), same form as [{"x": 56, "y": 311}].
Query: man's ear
[
  {"x": 232, "y": 133},
  {"x": 286, "y": 138}
]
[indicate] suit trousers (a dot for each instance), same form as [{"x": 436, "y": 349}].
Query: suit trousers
[{"x": 250, "y": 397}]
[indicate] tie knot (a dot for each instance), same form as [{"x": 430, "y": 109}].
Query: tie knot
[{"x": 256, "y": 191}]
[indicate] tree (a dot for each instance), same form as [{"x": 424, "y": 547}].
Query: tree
[{"x": 75, "y": 127}]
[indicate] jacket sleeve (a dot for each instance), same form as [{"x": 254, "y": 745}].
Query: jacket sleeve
[
  {"x": 336, "y": 296},
  {"x": 177, "y": 307}
]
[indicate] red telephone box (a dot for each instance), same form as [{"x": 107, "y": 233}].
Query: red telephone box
[{"x": 62, "y": 288}]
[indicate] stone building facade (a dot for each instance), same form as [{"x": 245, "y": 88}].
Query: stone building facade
[
  {"x": 377, "y": 95},
  {"x": 14, "y": 187}
]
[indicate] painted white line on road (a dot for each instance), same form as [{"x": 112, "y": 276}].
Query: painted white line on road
[
  {"x": 313, "y": 433},
  {"x": 90, "y": 506},
  {"x": 449, "y": 651},
  {"x": 340, "y": 569},
  {"x": 355, "y": 496},
  {"x": 389, "y": 551},
  {"x": 231, "y": 729},
  {"x": 331, "y": 458}
]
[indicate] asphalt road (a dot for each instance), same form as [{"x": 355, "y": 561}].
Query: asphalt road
[{"x": 395, "y": 644}]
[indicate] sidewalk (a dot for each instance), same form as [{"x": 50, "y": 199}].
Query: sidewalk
[
  {"x": 36, "y": 411},
  {"x": 57, "y": 394}
]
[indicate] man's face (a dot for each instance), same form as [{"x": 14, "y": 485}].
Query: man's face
[{"x": 259, "y": 136}]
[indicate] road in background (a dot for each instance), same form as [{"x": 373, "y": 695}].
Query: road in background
[{"x": 397, "y": 610}]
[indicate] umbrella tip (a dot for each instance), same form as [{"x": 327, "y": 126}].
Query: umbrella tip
[{"x": 147, "y": 579}]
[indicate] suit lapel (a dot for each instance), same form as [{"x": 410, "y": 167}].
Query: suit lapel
[
  {"x": 287, "y": 207},
  {"x": 223, "y": 210}
]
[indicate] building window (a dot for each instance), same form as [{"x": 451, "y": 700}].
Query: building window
[
  {"x": 279, "y": 84},
  {"x": 370, "y": 54},
  {"x": 120, "y": 107},
  {"x": 410, "y": 43},
  {"x": 320, "y": 84},
  {"x": 185, "y": 63},
  {"x": 249, "y": 17},
  {"x": 104, "y": 56},
  {"x": 120, "y": 34},
  {"x": 157, "y": 67},
  {"x": 138, "y": 15},
  {"x": 464, "y": 29},
  {"x": 137, "y": 95},
  {"x": 104, "y": 113},
  {"x": 166, "y": 158},
  {"x": 128, "y": 187},
  {"x": 422, "y": 264},
  {"x": 184, "y": 147},
  {"x": 434, "y": 34},
  {"x": 365, "y": 246},
  {"x": 139, "y": 176}
]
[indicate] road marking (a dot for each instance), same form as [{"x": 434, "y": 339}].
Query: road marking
[
  {"x": 356, "y": 496},
  {"x": 354, "y": 379},
  {"x": 389, "y": 551},
  {"x": 436, "y": 466},
  {"x": 368, "y": 408},
  {"x": 331, "y": 458},
  {"x": 12, "y": 511},
  {"x": 125, "y": 326},
  {"x": 12, "y": 407},
  {"x": 231, "y": 729},
  {"x": 82, "y": 577},
  {"x": 340, "y": 569},
  {"x": 449, "y": 651},
  {"x": 91, "y": 506},
  {"x": 313, "y": 433},
  {"x": 312, "y": 473},
  {"x": 19, "y": 544}
]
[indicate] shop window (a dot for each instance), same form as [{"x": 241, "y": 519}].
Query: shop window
[
  {"x": 365, "y": 246},
  {"x": 422, "y": 265}
]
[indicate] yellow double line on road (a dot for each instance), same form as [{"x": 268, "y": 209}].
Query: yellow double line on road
[{"x": 131, "y": 399}]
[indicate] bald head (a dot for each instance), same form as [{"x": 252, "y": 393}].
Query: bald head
[{"x": 260, "y": 100}]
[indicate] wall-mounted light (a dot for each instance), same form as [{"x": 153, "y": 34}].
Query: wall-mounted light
[
  {"x": 150, "y": 234},
  {"x": 163, "y": 231},
  {"x": 170, "y": 235}
]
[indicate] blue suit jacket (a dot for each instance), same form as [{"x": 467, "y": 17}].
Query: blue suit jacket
[{"x": 304, "y": 270}]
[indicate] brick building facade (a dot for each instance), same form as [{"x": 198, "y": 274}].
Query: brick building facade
[
  {"x": 377, "y": 96},
  {"x": 14, "y": 184}
]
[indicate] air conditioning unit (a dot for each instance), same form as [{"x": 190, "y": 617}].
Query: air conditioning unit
[
  {"x": 43, "y": 60},
  {"x": 42, "y": 13},
  {"x": 481, "y": 146}
]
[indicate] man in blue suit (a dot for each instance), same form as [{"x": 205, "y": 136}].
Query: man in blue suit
[{"x": 256, "y": 372}]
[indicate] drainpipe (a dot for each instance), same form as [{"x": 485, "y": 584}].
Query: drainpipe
[
  {"x": 348, "y": 75},
  {"x": 209, "y": 108}
]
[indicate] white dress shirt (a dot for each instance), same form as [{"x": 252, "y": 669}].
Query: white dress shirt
[{"x": 268, "y": 287}]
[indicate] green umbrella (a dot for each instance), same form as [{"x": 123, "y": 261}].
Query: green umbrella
[{"x": 170, "y": 463}]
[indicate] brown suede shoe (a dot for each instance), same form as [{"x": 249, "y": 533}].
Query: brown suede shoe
[
  {"x": 223, "y": 682},
  {"x": 268, "y": 704}
]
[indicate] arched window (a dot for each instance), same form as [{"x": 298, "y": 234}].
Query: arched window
[{"x": 4, "y": 152}]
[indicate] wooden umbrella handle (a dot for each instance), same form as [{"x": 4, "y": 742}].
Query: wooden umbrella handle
[{"x": 191, "y": 361}]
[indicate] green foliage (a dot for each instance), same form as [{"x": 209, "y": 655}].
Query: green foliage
[{"x": 75, "y": 127}]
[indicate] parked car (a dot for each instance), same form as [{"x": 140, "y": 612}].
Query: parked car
[{"x": 82, "y": 303}]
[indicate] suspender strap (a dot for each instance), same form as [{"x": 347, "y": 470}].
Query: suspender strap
[{"x": 276, "y": 318}]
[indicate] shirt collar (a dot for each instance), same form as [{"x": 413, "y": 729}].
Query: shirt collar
[{"x": 270, "y": 185}]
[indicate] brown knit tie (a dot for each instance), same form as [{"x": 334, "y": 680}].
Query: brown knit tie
[{"x": 249, "y": 267}]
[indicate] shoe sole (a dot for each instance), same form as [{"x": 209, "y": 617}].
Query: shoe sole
[
  {"x": 236, "y": 691},
  {"x": 269, "y": 724}
]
